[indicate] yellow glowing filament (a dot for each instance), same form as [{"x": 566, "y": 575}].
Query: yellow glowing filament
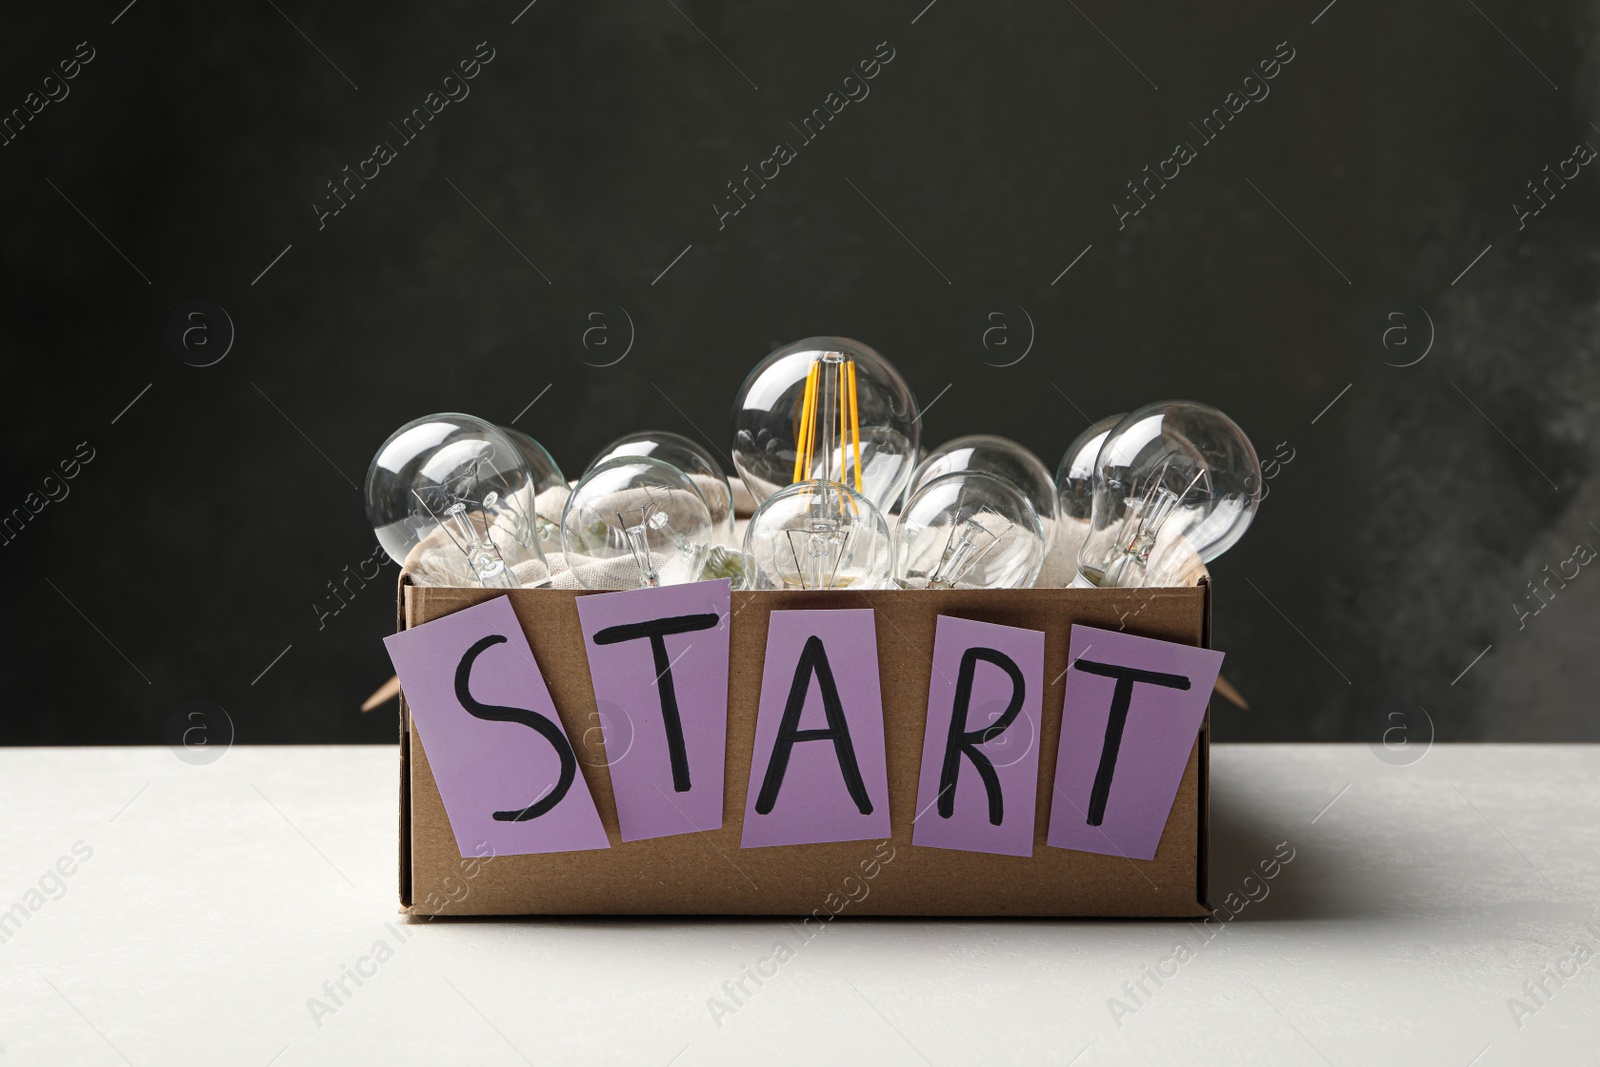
[
  {"x": 808, "y": 447},
  {"x": 855, "y": 423},
  {"x": 802, "y": 452},
  {"x": 800, "y": 429},
  {"x": 844, "y": 427}
]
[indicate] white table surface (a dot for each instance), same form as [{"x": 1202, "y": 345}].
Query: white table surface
[{"x": 218, "y": 900}]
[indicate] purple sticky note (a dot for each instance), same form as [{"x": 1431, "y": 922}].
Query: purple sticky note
[
  {"x": 1132, "y": 710},
  {"x": 506, "y": 770},
  {"x": 818, "y": 771},
  {"x": 980, "y": 754},
  {"x": 658, "y": 660}
]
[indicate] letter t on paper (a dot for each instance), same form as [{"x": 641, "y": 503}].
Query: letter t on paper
[
  {"x": 1130, "y": 718},
  {"x": 658, "y": 660}
]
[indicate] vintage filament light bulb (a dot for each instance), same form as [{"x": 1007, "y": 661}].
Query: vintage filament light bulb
[
  {"x": 822, "y": 532},
  {"x": 635, "y": 522},
  {"x": 1176, "y": 484},
  {"x": 444, "y": 495},
  {"x": 968, "y": 529},
  {"x": 772, "y": 429}
]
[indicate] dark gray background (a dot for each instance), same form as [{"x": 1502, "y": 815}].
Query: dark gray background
[{"x": 195, "y": 548}]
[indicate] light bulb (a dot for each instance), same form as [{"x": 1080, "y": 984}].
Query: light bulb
[
  {"x": 968, "y": 529},
  {"x": 818, "y": 535},
  {"x": 547, "y": 496},
  {"x": 689, "y": 457},
  {"x": 1001, "y": 457},
  {"x": 445, "y": 496},
  {"x": 634, "y": 523},
  {"x": 1075, "y": 490},
  {"x": 860, "y": 427},
  {"x": 1176, "y": 484}
]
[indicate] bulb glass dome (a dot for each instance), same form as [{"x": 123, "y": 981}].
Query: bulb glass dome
[
  {"x": 446, "y": 494},
  {"x": 1075, "y": 489},
  {"x": 1176, "y": 484},
  {"x": 542, "y": 520},
  {"x": 1075, "y": 475},
  {"x": 633, "y": 523},
  {"x": 995, "y": 455},
  {"x": 826, "y": 409},
  {"x": 689, "y": 457},
  {"x": 818, "y": 535},
  {"x": 968, "y": 529}
]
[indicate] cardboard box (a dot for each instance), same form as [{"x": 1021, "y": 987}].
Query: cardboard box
[{"x": 709, "y": 874}]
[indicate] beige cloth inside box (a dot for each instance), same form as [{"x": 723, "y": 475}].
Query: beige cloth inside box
[{"x": 436, "y": 561}]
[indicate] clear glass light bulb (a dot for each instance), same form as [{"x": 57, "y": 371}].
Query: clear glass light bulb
[
  {"x": 1001, "y": 457},
  {"x": 445, "y": 496},
  {"x": 818, "y": 535},
  {"x": 860, "y": 427},
  {"x": 1075, "y": 488},
  {"x": 691, "y": 458},
  {"x": 1176, "y": 484},
  {"x": 633, "y": 523},
  {"x": 968, "y": 529},
  {"x": 542, "y": 505}
]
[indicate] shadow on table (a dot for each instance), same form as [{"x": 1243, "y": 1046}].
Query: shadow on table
[
  {"x": 1343, "y": 877},
  {"x": 1315, "y": 881}
]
